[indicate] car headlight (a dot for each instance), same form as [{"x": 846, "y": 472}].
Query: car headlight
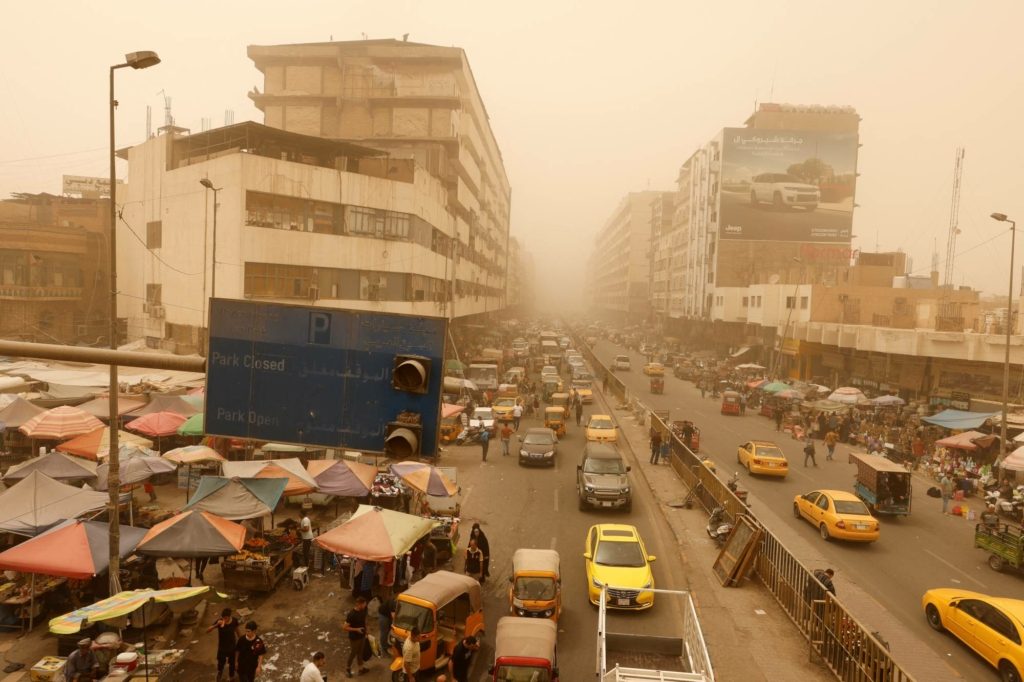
[
  {"x": 589, "y": 488},
  {"x": 549, "y": 453},
  {"x": 626, "y": 489},
  {"x": 597, "y": 583},
  {"x": 648, "y": 585},
  {"x": 549, "y": 613},
  {"x": 523, "y": 453}
]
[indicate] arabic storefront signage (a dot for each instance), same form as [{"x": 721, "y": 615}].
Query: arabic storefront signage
[
  {"x": 317, "y": 376},
  {"x": 787, "y": 185},
  {"x": 959, "y": 400},
  {"x": 87, "y": 186}
]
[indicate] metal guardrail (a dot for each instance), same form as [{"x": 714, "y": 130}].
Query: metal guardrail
[{"x": 850, "y": 650}]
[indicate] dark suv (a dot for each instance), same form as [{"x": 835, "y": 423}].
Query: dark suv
[{"x": 601, "y": 479}]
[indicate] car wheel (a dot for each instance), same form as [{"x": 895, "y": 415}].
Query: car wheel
[
  {"x": 823, "y": 529},
  {"x": 738, "y": 460},
  {"x": 931, "y": 614},
  {"x": 1008, "y": 672},
  {"x": 582, "y": 504},
  {"x": 796, "y": 510},
  {"x": 628, "y": 507},
  {"x": 996, "y": 563}
]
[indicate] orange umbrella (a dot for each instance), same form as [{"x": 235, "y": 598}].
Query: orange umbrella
[
  {"x": 60, "y": 423},
  {"x": 96, "y": 444},
  {"x": 157, "y": 424}
]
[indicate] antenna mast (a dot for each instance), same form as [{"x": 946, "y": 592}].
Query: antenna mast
[{"x": 954, "y": 218}]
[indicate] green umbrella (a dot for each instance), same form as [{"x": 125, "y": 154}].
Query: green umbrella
[
  {"x": 193, "y": 426},
  {"x": 775, "y": 387}
]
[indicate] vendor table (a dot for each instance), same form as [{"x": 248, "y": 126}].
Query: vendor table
[
  {"x": 24, "y": 606},
  {"x": 256, "y": 576}
]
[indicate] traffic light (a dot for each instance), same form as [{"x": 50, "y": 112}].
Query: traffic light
[
  {"x": 402, "y": 440},
  {"x": 411, "y": 373}
]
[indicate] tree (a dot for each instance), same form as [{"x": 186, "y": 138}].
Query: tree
[{"x": 812, "y": 170}]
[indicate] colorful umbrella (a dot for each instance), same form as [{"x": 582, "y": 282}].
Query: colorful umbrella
[
  {"x": 342, "y": 478},
  {"x": 376, "y": 534},
  {"x": 299, "y": 482},
  {"x": 73, "y": 549},
  {"x": 237, "y": 498},
  {"x": 37, "y": 503},
  {"x": 775, "y": 387},
  {"x": 450, "y": 410},
  {"x": 889, "y": 400},
  {"x": 135, "y": 466},
  {"x": 828, "y": 406},
  {"x": 157, "y": 424},
  {"x": 60, "y": 423},
  {"x": 193, "y": 534},
  {"x": 425, "y": 478},
  {"x": 790, "y": 394},
  {"x": 193, "y": 426},
  {"x": 123, "y": 604},
  {"x": 847, "y": 395},
  {"x": 56, "y": 465},
  {"x": 193, "y": 454},
  {"x": 757, "y": 383},
  {"x": 96, "y": 444}
]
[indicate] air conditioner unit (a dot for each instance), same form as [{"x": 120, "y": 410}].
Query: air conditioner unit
[
  {"x": 157, "y": 312},
  {"x": 145, "y": 308},
  {"x": 418, "y": 295}
]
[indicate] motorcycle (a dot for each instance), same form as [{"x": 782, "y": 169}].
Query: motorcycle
[
  {"x": 1010, "y": 505},
  {"x": 733, "y": 485},
  {"x": 468, "y": 436},
  {"x": 718, "y": 528}
]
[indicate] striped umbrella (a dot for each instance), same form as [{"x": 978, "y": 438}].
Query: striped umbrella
[
  {"x": 96, "y": 444},
  {"x": 60, "y": 423},
  {"x": 123, "y": 604},
  {"x": 425, "y": 478},
  {"x": 193, "y": 454},
  {"x": 157, "y": 424}
]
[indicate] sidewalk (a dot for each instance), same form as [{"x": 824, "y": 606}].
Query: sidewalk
[{"x": 749, "y": 637}]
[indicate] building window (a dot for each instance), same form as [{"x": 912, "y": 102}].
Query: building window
[
  {"x": 154, "y": 294},
  {"x": 154, "y": 234},
  {"x": 291, "y": 213},
  {"x": 790, "y": 302},
  {"x": 359, "y": 220},
  {"x": 744, "y": 301},
  {"x": 803, "y": 302}
]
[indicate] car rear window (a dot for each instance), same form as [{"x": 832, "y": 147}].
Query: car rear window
[
  {"x": 769, "y": 451},
  {"x": 854, "y": 507},
  {"x": 601, "y": 424}
]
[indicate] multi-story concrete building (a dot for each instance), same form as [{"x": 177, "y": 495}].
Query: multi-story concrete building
[
  {"x": 520, "y": 278},
  {"x": 664, "y": 247},
  {"x": 298, "y": 219},
  {"x": 415, "y": 101},
  {"x": 618, "y": 271}
]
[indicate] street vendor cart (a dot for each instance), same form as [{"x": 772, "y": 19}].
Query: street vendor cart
[
  {"x": 1004, "y": 544},
  {"x": 260, "y": 566},
  {"x": 883, "y": 485}
]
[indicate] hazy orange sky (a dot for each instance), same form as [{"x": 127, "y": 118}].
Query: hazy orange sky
[{"x": 588, "y": 100}]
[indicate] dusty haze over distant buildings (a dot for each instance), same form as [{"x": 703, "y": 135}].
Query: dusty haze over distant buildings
[{"x": 588, "y": 101}]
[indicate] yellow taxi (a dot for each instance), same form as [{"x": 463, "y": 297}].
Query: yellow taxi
[
  {"x": 601, "y": 429},
  {"x": 763, "y": 457},
  {"x": 616, "y": 557},
  {"x": 992, "y": 626},
  {"x": 836, "y": 514},
  {"x": 654, "y": 369},
  {"x": 502, "y": 408}
]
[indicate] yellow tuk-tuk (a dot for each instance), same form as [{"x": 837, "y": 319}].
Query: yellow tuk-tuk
[
  {"x": 554, "y": 419},
  {"x": 536, "y": 584},
  {"x": 446, "y": 607},
  {"x": 560, "y": 400},
  {"x": 451, "y": 427},
  {"x": 525, "y": 649}
]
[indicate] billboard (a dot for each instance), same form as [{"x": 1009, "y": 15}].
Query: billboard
[
  {"x": 88, "y": 186},
  {"x": 325, "y": 377},
  {"x": 787, "y": 185}
]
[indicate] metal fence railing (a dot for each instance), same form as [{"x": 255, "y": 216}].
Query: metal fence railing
[{"x": 849, "y": 649}]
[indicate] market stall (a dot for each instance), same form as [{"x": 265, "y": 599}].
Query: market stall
[
  {"x": 56, "y": 465},
  {"x": 37, "y": 502},
  {"x": 193, "y": 535},
  {"x": 388, "y": 492},
  {"x": 261, "y": 563},
  {"x": 95, "y": 445},
  {"x": 299, "y": 482}
]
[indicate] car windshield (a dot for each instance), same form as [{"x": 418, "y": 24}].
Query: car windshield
[
  {"x": 852, "y": 507},
  {"x": 538, "y": 439},
  {"x": 505, "y": 402},
  {"x": 604, "y": 466},
  {"x": 535, "y": 588},
  {"x": 769, "y": 451},
  {"x": 408, "y": 614},
  {"x": 483, "y": 413},
  {"x": 520, "y": 673},
  {"x": 626, "y": 554},
  {"x": 601, "y": 424},
  {"x": 621, "y": 358}
]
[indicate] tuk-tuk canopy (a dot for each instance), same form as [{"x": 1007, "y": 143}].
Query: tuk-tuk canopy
[
  {"x": 442, "y": 587},
  {"x": 730, "y": 397},
  {"x": 540, "y": 560},
  {"x": 560, "y": 397},
  {"x": 526, "y": 638},
  {"x": 553, "y": 411}
]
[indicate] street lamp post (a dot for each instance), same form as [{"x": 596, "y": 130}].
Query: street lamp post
[
  {"x": 1003, "y": 218},
  {"x": 205, "y": 182},
  {"x": 136, "y": 60}
]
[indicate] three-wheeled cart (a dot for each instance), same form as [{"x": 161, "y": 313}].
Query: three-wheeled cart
[
  {"x": 657, "y": 385},
  {"x": 1003, "y": 542}
]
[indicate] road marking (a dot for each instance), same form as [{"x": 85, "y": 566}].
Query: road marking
[
  {"x": 553, "y": 543},
  {"x": 960, "y": 571},
  {"x": 555, "y": 491},
  {"x": 465, "y": 496}
]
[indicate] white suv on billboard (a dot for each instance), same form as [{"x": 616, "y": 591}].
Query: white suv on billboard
[{"x": 783, "y": 191}]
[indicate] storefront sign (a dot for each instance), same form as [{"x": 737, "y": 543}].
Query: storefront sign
[{"x": 959, "y": 400}]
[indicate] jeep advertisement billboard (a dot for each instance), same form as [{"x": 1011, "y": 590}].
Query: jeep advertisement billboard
[{"x": 787, "y": 185}]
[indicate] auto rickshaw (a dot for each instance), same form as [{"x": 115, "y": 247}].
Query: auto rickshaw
[
  {"x": 524, "y": 649},
  {"x": 550, "y": 387},
  {"x": 446, "y": 607},
  {"x": 657, "y": 385},
  {"x": 554, "y": 419},
  {"x": 731, "y": 403},
  {"x": 560, "y": 400},
  {"x": 450, "y": 428},
  {"x": 535, "y": 589}
]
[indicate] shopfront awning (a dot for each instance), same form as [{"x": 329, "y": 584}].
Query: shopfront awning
[
  {"x": 958, "y": 419},
  {"x": 742, "y": 351}
]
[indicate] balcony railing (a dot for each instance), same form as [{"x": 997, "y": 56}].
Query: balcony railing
[{"x": 11, "y": 291}]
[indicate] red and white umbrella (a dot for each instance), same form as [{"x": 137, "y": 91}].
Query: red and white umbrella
[
  {"x": 157, "y": 424},
  {"x": 60, "y": 423}
]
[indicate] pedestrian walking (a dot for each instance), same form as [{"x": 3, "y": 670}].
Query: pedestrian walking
[
  {"x": 506, "y": 438},
  {"x": 579, "y": 412},
  {"x": 462, "y": 657},
  {"x": 777, "y": 413},
  {"x": 703, "y": 389},
  {"x": 474, "y": 565},
  {"x": 664, "y": 452},
  {"x": 477, "y": 533},
  {"x": 386, "y": 616},
  {"x": 312, "y": 671},
  {"x": 355, "y": 626},
  {"x": 411, "y": 653},
  {"x": 249, "y": 653},
  {"x": 946, "y": 485},
  {"x": 485, "y": 441},
  {"x": 655, "y": 445},
  {"x": 743, "y": 404},
  {"x": 831, "y": 438},
  {"x": 306, "y": 533},
  {"x": 227, "y": 637},
  {"x": 809, "y": 451},
  {"x": 517, "y": 414}
]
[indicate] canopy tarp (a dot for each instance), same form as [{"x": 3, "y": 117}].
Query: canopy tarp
[
  {"x": 341, "y": 477},
  {"x": 96, "y": 444},
  {"x": 826, "y": 405},
  {"x": 123, "y": 604},
  {"x": 193, "y": 454},
  {"x": 299, "y": 480},
  {"x": 159, "y": 402},
  {"x": 376, "y": 534},
  {"x": 73, "y": 549},
  {"x": 237, "y": 498},
  {"x": 100, "y": 407},
  {"x": 18, "y": 412},
  {"x": 193, "y": 534},
  {"x": 425, "y": 478},
  {"x": 56, "y": 465},
  {"x": 968, "y": 440},
  {"x": 60, "y": 423},
  {"x": 450, "y": 410},
  {"x": 775, "y": 387},
  {"x": 157, "y": 424},
  {"x": 889, "y": 401},
  {"x": 1014, "y": 461},
  {"x": 848, "y": 395},
  {"x": 958, "y": 419},
  {"x": 38, "y": 502},
  {"x": 135, "y": 466}
]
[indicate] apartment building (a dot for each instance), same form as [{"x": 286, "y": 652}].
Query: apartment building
[
  {"x": 414, "y": 101},
  {"x": 618, "y": 270},
  {"x": 664, "y": 247}
]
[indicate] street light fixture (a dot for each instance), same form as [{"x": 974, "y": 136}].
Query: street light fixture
[
  {"x": 208, "y": 184},
  {"x": 136, "y": 60},
  {"x": 1003, "y": 218}
]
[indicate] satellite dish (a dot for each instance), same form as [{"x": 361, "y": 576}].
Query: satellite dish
[{"x": 774, "y": 279}]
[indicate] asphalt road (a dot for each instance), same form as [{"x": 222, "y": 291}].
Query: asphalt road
[
  {"x": 536, "y": 507},
  {"x": 922, "y": 551}
]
